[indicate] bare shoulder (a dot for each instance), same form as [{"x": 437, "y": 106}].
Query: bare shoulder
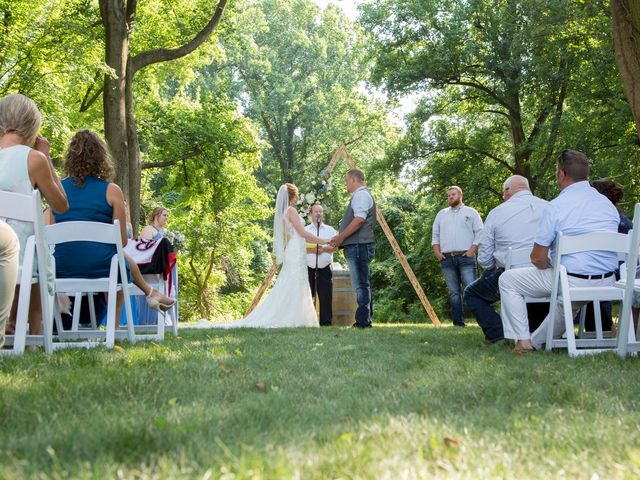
[
  {"x": 37, "y": 160},
  {"x": 114, "y": 194}
]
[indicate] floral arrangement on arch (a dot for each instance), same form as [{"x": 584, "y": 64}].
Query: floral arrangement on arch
[{"x": 318, "y": 190}]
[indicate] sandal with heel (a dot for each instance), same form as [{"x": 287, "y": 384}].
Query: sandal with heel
[{"x": 154, "y": 304}]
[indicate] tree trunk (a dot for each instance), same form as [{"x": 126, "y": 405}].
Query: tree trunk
[
  {"x": 118, "y": 17},
  {"x": 133, "y": 155},
  {"x": 115, "y": 108},
  {"x": 626, "y": 39}
]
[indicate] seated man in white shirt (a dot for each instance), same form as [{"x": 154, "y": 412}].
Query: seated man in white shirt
[
  {"x": 511, "y": 224},
  {"x": 579, "y": 209},
  {"x": 319, "y": 259}
]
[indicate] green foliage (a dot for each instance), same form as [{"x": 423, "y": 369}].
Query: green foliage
[
  {"x": 212, "y": 195},
  {"x": 505, "y": 87},
  {"x": 298, "y": 72}
]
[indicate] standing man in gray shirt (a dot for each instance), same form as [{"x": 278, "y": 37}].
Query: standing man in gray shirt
[
  {"x": 454, "y": 238},
  {"x": 357, "y": 239}
]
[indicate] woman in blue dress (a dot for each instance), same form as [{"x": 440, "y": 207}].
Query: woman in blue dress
[{"x": 93, "y": 197}]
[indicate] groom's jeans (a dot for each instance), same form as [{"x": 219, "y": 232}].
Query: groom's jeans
[
  {"x": 458, "y": 269},
  {"x": 358, "y": 256}
]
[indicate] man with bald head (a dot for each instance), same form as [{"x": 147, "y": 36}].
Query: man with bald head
[
  {"x": 512, "y": 224},
  {"x": 578, "y": 209}
]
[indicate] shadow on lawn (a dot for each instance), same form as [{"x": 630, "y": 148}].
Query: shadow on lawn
[{"x": 211, "y": 391}]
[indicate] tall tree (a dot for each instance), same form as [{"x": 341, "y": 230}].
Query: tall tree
[
  {"x": 298, "y": 72},
  {"x": 119, "y": 20},
  {"x": 498, "y": 74},
  {"x": 626, "y": 38}
]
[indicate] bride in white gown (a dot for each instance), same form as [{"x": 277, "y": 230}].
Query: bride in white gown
[{"x": 289, "y": 303}]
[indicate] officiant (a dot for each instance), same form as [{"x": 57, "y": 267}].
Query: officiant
[{"x": 319, "y": 261}]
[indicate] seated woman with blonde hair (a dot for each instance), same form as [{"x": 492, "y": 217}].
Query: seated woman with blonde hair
[
  {"x": 25, "y": 165},
  {"x": 94, "y": 198},
  {"x": 157, "y": 219}
]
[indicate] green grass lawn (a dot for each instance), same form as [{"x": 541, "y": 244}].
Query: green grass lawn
[{"x": 395, "y": 402}]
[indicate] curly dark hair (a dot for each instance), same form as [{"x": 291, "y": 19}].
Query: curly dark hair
[
  {"x": 88, "y": 155},
  {"x": 609, "y": 189}
]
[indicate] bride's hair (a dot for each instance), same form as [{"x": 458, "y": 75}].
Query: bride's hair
[{"x": 292, "y": 190}]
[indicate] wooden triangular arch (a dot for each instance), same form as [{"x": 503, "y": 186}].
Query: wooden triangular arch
[{"x": 342, "y": 152}]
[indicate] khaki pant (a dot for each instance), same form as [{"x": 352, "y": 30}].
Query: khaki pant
[{"x": 9, "y": 252}]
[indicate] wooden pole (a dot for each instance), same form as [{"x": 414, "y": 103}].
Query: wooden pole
[
  {"x": 265, "y": 284},
  {"x": 407, "y": 268}
]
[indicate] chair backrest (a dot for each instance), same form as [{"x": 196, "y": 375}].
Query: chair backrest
[
  {"x": 108, "y": 233},
  {"x": 567, "y": 244},
  {"x": 27, "y": 208},
  {"x": 18, "y": 206},
  {"x": 602, "y": 241},
  {"x": 517, "y": 257}
]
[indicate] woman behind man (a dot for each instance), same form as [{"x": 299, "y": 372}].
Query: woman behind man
[
  {"x": 93, "y": 197},
  {"x": 23, "y": 169}
]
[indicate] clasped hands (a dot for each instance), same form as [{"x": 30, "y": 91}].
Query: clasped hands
[{"x": 336, "y": 241}]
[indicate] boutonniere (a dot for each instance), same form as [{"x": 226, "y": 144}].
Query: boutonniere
[{"x": 467, "y": 218}]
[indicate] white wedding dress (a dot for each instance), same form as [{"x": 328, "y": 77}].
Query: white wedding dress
[{"x": 289, "y": 303}]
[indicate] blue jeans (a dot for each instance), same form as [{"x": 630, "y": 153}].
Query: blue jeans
[
  {"x": 458, "y": 269},
  {"x": 479, "y": 297},
  {"x": 358, "y": 257}
]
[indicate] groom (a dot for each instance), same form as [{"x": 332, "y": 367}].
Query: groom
[{"x": 356, "y": 237}]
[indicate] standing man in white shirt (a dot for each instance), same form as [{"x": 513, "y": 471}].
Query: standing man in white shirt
[
  {"x": 319, "y": 259},
  {"x": 454, "y": 238},
  {"x": 577, "y": 210},
  {"x": 512, "y": 224}
]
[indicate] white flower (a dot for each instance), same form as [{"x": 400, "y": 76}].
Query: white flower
[{"x": 310, "y": 197}]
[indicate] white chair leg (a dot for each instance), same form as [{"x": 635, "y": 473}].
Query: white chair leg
[
  {"x": 77, "y": 305},
  {"x": 111, "y": 317},
  {"x": 22, "y": 319},
  {"x": 92, "y": 311},
  {"x": 597, "y": 317},
  {"x": 583, "y": 316},
  {"x": 47, "y": 324},
  {"x": 568, "y": 325},
  {"x": 131, "y": 328}
]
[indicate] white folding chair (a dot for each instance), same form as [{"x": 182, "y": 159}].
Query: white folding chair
[
  {"x": 563, "y": 294},
  {"x": 627, "y": 341},
  {"x": 28, "y": 208},
  {"x": 157, "y": 281},
  {"x": 76, "y": 287}
]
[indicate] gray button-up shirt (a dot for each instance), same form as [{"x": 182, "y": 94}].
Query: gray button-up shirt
[
  {"x": 513, "y": 224},
  {"x": 456, "y": 229}
]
